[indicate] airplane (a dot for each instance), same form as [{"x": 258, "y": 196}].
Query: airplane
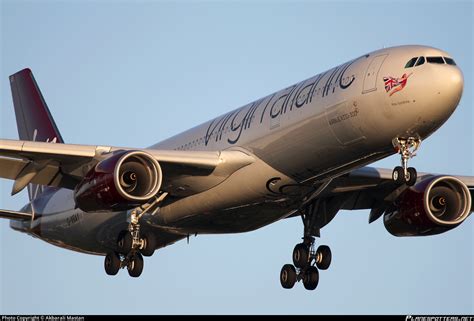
[{"x": 301, "y": 151}]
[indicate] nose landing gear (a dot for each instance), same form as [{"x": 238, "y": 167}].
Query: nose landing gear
[
  {"x": 132, "y": 244},
  {"x": 407, "y": 148}
]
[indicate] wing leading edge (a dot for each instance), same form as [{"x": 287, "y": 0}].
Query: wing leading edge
[
  {"x": 373, "y": 188},
  {"x": 64, "y": 165}
]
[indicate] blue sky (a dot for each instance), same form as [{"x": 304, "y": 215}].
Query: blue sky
[{"x": 132, "y": 73}]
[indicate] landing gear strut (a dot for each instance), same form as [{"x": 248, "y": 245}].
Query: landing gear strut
[
  {"x": 406, "y": 147},
  {"x": 132, "y": 244},
  {"x": 306, "y": 259}
]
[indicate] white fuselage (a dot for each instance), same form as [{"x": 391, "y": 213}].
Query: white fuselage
[{"x": 301, "y": 137}]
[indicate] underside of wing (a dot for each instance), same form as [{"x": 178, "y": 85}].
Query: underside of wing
[
  {"x": 431, "y": 204},
  {"x": 373, "y": 188}
]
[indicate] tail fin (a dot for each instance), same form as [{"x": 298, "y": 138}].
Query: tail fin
[{"x": 33, "y": 118}]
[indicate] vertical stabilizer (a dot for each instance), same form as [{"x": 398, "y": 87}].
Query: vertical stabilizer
[
  {"x": 34, "y": 122},
  {"x": 33, "y": 118}
]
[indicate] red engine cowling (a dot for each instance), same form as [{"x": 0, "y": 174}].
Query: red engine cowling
[
  {"x": 122, "y": 181},
  {"x": 433, "y": 206}
]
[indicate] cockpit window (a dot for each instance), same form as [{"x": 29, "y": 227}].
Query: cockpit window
[
  {"x": 450, "y": 61},
  {"x": 435, "y": 60},
  {"x": 411, "y": 62},
  {"x": 420, "y": 61}
]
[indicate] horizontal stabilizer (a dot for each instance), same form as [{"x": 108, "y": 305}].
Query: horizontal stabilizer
[{"x": 14, "y": 215}]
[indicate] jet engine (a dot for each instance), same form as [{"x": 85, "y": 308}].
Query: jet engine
[
  {"x": 433, "y": 206},
  {"x": 122, "y": 181}
]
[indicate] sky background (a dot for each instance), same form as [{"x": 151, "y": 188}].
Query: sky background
[{"x": 132, "y": 73}]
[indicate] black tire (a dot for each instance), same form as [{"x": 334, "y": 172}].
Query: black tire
[
  {"x": 112, "y": 263},
  {"x": 288, "y": 276},
  {"x": 412, "y": 176},
  {"x": 311, "y": 278},
  {"x": 301, "y": 255},
  {"x": 324, "y": 257},
  {"x": 135, "y": 265},
  {"x": 398, "y": 175},
  {"x": 124, "y": 242},
  {"x": 150, "y": 244}
]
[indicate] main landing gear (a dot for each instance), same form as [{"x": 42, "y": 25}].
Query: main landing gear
[
  {"x": 306, "y": 259},
  {"x": 133, "y": 245},
  {"x": 406, "y": 147},
  {"x": 306, "y": 262}
]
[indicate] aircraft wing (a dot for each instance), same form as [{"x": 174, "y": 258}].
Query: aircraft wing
[
  {"x": 372, "y": 177},
  {"x": 64, "y": 165},
  {"x": 373, "y": 188},
  {"x": 14, "y": 215}
]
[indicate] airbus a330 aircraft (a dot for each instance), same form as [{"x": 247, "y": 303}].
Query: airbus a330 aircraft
[{"x": 301, "y": 151}]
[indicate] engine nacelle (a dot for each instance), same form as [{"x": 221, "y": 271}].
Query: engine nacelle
[
  {"x": 122, "y": 181},
  {"x": 433, "y": 206}
]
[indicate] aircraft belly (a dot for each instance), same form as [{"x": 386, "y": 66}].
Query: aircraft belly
[
  {"x": 93, "y": 233},
  {"x": 238, "y": 204},
  {"x": 231, "y": 220}
]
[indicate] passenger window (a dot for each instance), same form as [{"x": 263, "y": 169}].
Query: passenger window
[
  {"x": 420, "y": 61},
  {"x": 435, "y": 60},
  {"x": 450, "y": 61},
  {"x": 411, "y": 62}
]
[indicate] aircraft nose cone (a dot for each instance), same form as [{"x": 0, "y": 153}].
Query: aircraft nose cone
[
  {"x": 453, "y": 87},
  {"x": 440, "y": 91},
  {"x": 456, "y": 82}
]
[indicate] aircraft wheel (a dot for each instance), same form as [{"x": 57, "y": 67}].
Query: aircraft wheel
[
  {"x": 135, "y": 265},
  {"x": 398, "y": 175},
  {"x": 149, "y": 246},
  {"x": 288, "y": 276},
  {"x": 311, "y": 278},
  {"x": 112, "y": 263},
  {"x": 323, "y": 257},
  {"x": 412, "y": 175},
  {"x": 300, "y": 255}
]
